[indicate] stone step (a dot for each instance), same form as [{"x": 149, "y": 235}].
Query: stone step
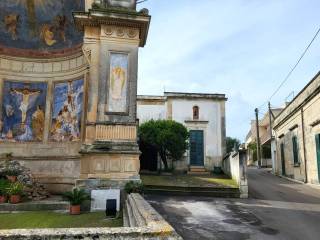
[
  {"x": 230, "y": 193},
  {"x": 197, "y": 169},
  {"x": 44, "y": 205},
  {"x": 191, "y": 188},
  {"x": 198, "y": 173}
]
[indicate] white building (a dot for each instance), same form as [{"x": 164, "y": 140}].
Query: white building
[{"x": 202, "y": 114}]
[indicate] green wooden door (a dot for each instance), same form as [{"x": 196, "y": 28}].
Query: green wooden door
[
  {"x": 283, "y": 161},
  {"x": 318, "y": 154},
  {"x": 196, "y": 148}
]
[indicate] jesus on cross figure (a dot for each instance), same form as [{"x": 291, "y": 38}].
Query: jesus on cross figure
[{"x": 26, "y": 93}]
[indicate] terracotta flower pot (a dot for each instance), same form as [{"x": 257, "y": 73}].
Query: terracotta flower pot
[
  {"x": 75, "y": 209},
  {"x": 12, "y": 178},
  {"x": 14, "y": 199},
  {"x": 3, "y": 199}
]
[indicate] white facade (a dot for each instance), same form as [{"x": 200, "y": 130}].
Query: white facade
[{"x": 179, "y": 107}]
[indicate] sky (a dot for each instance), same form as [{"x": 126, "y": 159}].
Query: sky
[{"x": 242, "y": 48}]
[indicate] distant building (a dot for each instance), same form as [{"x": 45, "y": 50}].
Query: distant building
[
  {"x": 265, "y": 139},
  {"x": 202, "y": 114},
  {"x": 297, "y": 135}
]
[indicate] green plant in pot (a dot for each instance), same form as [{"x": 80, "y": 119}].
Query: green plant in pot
[
  {"x": 15, "y": 192},
  {"x": 76, "y": 197},
  {"x": 12, "y": 174},
  {"x": 4, "y": 185}
]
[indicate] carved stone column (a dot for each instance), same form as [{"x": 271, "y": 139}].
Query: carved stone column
[{"x": 112, "y": 37}]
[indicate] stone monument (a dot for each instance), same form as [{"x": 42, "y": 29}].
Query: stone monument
[{"x": 113, "y": 33}]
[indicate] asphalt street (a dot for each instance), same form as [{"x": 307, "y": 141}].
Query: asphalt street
[{"x": 276, "y": 209}]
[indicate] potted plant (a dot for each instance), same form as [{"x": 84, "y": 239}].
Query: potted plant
[
  {"x": 15, "y": 190},
  {"x": 76, "y": 197},
  {"x": 12, "y": 174},
  {"x": 4, "y": 184}
]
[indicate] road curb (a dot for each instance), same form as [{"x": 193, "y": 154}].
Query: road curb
[{"x": 315, "y": 186}]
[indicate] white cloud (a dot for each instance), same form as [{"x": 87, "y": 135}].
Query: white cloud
[{"x": 241, "y": 48}]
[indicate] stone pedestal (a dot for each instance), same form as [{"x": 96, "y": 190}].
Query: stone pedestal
[{"x": 112, "y": 37}]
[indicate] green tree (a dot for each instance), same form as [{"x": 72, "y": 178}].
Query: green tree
[
  {"x": 253, "y": 149},
  {"x": 168, "y": 137},
  {"x": 231, "y": 143}
]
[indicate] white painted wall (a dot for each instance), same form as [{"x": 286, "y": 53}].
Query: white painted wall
[
  {"x": 148, "y": 112},
  {"x": 208, "y": 111},
  {"x": 182, "y": 111}
]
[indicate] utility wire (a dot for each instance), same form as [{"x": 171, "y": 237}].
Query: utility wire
[
  {"x": 294, "y": 67},
  {"x": 141, "y": 1}
]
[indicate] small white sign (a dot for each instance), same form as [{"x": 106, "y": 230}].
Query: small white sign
[{"x": 100, "y": 197}]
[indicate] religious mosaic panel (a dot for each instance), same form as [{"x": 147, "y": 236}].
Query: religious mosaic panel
[
  {"x": 67, "y": 111},
  {"x": 118, "y": 82},
  {"x": 23, "y": 111},
  {"x": 39, "y": 27}
]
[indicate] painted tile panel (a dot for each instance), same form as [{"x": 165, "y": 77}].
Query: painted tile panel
[
  {"x": 118, "y": 82},
  {"x": 23, "y": 111},
  {"x": 67, "y": 111}
]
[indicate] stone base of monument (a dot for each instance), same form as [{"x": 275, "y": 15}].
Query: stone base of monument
[{"x": 96, "y": 185}]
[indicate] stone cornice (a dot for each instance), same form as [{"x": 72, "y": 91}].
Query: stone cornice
[
  {"x": 99, "y": 17},
  {"x": 304, "y": 96},
  {"x": 73, "y": 63}
]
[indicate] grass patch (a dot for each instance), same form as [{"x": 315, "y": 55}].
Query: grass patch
[
  {"x": 189, "y": 181},
  {"x": 30, "y": 220}
]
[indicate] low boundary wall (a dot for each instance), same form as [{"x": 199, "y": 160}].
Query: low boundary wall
[
  {"x": 235, "y": 166},
  {"x": 141, "y": 221}
]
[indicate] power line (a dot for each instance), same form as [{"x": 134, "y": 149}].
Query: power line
[
  {"x": 141, "y": 1},
  {"x": 294, "y": 67}
]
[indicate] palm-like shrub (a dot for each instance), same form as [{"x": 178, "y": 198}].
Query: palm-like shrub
[
  {"x": 4, "y": 185},
  {"x": 76, "y": 196},
  {"x": 15, "y": 189}
]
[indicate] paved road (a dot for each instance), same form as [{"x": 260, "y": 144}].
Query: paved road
[{"x": 277, "y": 209}]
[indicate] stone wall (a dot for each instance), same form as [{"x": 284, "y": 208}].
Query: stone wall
[
  {"x": 140, "y": 219},
  {"x": 299, "y": 119},
  {"x": 235, "y": 166},
  {"x": 56, "y": 164},
  {"x": 139, "y": 213}
]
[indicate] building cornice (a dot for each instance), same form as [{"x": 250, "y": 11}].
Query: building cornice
[
  {"x": 304, "y": 96},
  {"x": 109, "y": 17}
]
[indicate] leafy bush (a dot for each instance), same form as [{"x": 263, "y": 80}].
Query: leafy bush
[
  {"x": 168, "y": 137},
  {"x": 9, "y": 168},
  {"x": 76, "y": 196},
  {"x": 232, "y": 143},
  {"x": 12, "y": 172},
  {"x": 253, "y": 150},
  {"x": 4, "y": 185},
  {"x": 134, "y": 187},
  {"x": 15, "y": 189}
]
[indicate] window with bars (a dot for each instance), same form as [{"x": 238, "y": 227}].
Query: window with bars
[
  {"x": 195, "y": 113},
  {"x": 295, "y": 150}
]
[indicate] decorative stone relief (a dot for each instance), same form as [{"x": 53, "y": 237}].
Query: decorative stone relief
[
  {"x": 87, "y": 53},
  {"x": 120, "y": 32}
]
